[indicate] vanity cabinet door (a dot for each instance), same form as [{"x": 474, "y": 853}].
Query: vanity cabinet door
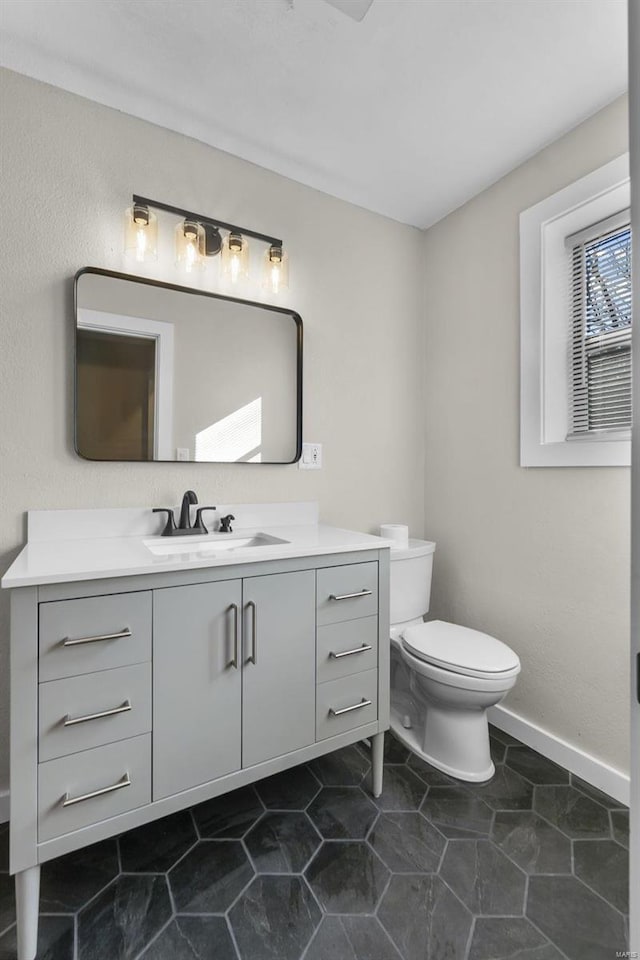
[
  {"x": 197, "y": 687},
  {"x": 279, "y": 663}
]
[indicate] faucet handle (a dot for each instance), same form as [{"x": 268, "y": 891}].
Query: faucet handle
[
  {"x": 199, "y": 525},
  {"x": 171, "y": 521},
  {"x": 225, "y": 523}
]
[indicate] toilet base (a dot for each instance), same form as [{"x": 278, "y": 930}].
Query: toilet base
[{"x": 476, "y": 738}]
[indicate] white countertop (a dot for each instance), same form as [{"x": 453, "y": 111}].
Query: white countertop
[{"x": 58, "y": 560}]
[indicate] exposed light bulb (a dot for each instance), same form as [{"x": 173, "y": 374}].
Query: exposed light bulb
[
  {"x": 189, "y": 245},
  {"x": 141, "y": 243},
  {"x": 234, "y": 267},
  {"x": 235, "y": 258},
  {"x": 275, "y": 275}
]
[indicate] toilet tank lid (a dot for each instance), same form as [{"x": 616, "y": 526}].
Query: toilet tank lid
[
  {"x": 416, "y": 548},
  {"x": 460, "y": 648}
]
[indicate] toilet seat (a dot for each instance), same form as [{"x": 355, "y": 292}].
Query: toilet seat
[{"x": 461, "y": 650}]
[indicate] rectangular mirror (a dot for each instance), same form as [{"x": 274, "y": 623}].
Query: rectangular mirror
[{"x": 172, "y": 373}]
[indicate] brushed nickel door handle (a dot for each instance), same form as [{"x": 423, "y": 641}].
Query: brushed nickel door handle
[
  {"x": 234, "y": 662},
  {"x": 254, "y": 633}
]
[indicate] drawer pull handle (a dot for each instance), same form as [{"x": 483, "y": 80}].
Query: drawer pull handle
[
  {"x": 68, "y": 801},
  {"x": 356, "y": 706},
  {"x": 105, "y": 636},
  {"x": 350, "y": 653},
  {"x": 350, "y": 596},
  {"x": 123, "y": 708}
]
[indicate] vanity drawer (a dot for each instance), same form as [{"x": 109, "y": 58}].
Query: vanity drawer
[
  {"x": 96, "y": 633},
  {"x": 346, "y": 694},
  {"x": 87, "y": 711},
  {"x": 93, "y": 784},
  {"x": 346, "y": 593},
  {"x": 347, "y": 647}
]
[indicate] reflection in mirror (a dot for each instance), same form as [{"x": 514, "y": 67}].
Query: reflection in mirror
[{"x": 169, "y": 373}]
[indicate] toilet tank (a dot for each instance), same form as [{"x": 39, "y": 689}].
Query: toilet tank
[{"x": 410, "y": 588}]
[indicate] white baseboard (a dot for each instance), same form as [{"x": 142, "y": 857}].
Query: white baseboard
[
  {"x": 611, "y": 781},
  {"x": 4, "y": 806}
]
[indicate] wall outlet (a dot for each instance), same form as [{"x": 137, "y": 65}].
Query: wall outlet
[
  {"x": 311, "y": 458},
  {"x": 182, "y": 453}
]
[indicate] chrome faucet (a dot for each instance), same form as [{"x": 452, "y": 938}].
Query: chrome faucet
[{"x": 184, "y": 526}]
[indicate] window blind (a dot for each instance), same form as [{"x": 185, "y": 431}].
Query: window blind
[{"x": 600, "y": 354}]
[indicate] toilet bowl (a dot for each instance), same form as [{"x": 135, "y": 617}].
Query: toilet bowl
[{"x": 444, "y": 677}]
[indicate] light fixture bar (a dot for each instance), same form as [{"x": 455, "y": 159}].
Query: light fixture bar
[{"x": 189, "y": 215}]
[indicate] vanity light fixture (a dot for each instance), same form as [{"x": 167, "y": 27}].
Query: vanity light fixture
[
  {"x": 276, "y": 269},
  {"x": 199, "y": 238},
  {"x": 235, "y": 258},
  {"x": 189, "y": 246},
  {"x": 140, "y": 233}
]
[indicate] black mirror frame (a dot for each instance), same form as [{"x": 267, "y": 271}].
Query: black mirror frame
[{"x": 98, "y": 271}]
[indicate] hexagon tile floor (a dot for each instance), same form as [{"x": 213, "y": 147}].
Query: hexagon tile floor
[{"x": 306, "y": 866}]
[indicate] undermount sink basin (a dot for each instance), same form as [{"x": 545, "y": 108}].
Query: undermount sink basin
[{"x": 209, "y": 545}]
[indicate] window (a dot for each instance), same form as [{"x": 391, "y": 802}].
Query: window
[
  {"x": 575, "y": 322},
  {"x": 601, "y": 341}
]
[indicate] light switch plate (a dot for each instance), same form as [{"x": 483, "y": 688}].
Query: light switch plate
[{"x": 311, "y": 458}]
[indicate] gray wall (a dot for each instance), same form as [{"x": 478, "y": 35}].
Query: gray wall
[
  {"x": 69, "y": 167},
  {"x": 537, "y": 557}
]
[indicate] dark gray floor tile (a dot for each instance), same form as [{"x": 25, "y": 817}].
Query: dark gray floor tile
[
  {"x": 330, "y": 942},
  {"x": 424, "y": 919},
  {"x": 571, "y": 811},
  {"x": 228, "y": 816},
  {"x": 506, "y": 790},
  {"x": 407, "y": 842},
  {"x": 292, "y": 789},
  {"x": 342, "y": 768},
  {"x": 534, "y": 766},
  {"x": 531, "y": 842},
  {"x": 7, "y": 901},
  {"x": 431, "y": 775},
  {"x": 4, "y": 847},
  {"x": 620, "y": 826},
  {"x": 576, "y": 920},
  {"x": 369, "y": 939},
  {"x": 284, "y": 908},
  {"x": 402, "y": 789},
  {"x": 512, "y": 938},
  {"x": 68, "y": 882},
  {"x": 210, "y": 877},
  {"x": 155, "y": 847},
  {"x": 123, "y": 918},
  {"x": 594, "y": 793},
  {"x": 347, "y": 877},
  {"x": 394, "y": 751},
  {"x": 342, "y": 813},
  {"x": 604, "y": 866},
  {"x": 456, "y": 812},
  {"x": 282, "y": 842},
  {"x": 503, "y": 737},
  {"x": 193, "y": 938},
  {"x": 498, "y": 749},
  {"x": 55, "y": 940},
  {"x": 483, "y": 878}
]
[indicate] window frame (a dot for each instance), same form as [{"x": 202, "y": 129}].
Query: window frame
[{"x": 546, "y": 322}]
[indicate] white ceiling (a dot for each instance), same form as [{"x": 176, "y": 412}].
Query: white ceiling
[{"x": 409, "y": 112}]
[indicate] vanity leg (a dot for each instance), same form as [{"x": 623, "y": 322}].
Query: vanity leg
[
  {"x": 377, "y": 761},
  {"x": 27, "y": 902}
]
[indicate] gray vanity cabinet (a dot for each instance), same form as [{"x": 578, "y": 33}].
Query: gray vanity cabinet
[
  {"x": 279, "y": 675},
  {"x": 197, "y": 685}
]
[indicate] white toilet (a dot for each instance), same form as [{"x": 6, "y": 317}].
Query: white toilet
[{"x": 443, "y": 677}]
